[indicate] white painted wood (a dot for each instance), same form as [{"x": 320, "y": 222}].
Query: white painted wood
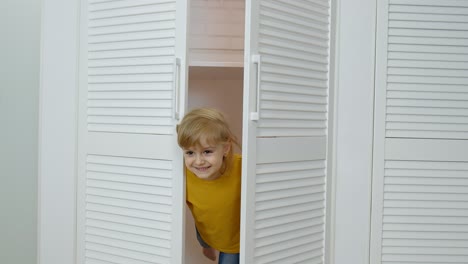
[
  {"x": 420, "y": 153},
  {"x": 131, "y": 196},
  {"x": 354, "y": 86},
  {"x": 284, "y": 173},
  {"x": 248, "y": 150},
  {"x": 379, "y": 133},
  {"x": 57, "y": 132},
  {"x": 425, "y": 94},
  {"x": 423, "y": 149},
  {"x": 272, "y": 147},
  {"x": 104, "y": 144},
  {"x": 248, "y": 133},
  {"x": 332, "y": 135}
]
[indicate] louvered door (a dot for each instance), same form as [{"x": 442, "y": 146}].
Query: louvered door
[
  {"x": 420, "y": 186},
  {"x": 130, "y": 184},
  {"x": 285, "y": 131}
]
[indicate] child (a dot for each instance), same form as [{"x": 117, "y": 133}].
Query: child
[{"x": 213, "y": 176}]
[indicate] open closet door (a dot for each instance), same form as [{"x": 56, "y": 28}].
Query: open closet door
[
  {"x": 420, "y": 178},
  {"x": 132, "y": 86},
  {"x": 285, "y": 131}
]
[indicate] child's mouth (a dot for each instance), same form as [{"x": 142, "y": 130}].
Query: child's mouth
[{"x": 202, "y": 169}]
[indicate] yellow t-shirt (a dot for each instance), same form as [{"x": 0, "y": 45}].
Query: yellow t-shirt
[{"x": 215, "y": 206}]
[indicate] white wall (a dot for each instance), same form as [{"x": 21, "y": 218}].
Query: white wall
[{"x": 19, "y": 88}]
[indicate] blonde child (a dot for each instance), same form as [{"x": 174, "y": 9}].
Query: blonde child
[{"x": 213, "y": 176}]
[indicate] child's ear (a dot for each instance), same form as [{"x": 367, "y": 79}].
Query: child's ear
[{"x": 227, "y": 148}]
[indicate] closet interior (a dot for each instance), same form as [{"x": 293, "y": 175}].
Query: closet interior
[{"x": 215, "y": 75}]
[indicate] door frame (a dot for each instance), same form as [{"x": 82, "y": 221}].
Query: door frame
[
  {"x": 353, "y": 130},
  {"x": 58, "y": 104}
]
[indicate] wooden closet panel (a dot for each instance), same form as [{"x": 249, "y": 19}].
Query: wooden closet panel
[
  {"x": 427, "y": 94},
  {"x": 285, "y": 130},
  {"x": 425, "y": 212},
  {"x": 294, "y": 45},
  {"x": 290, "y": 204},
  {"x": 421, "y": 129},
  {"x": 131, "y": 49},
  {"x": 130, "y": 190},
  {"x": 128, "y": 209}
]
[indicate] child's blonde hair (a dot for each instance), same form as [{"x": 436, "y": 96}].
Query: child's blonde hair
[{"x": 208, "y": 124}]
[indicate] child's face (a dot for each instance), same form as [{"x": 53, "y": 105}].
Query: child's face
[{"x": 206, "y": 160}]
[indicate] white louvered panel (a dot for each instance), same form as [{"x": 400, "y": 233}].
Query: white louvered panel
[
  {"x": 427, "y": 83},
  {"x": 128, "y": 210},
  {"x": 290, "y": 212},
  {"x": 294, "y": 45},
  {"x": 130, "y": 66},
  {"x": 283, "y": 221},
  {"x": 109, "y": 9},
  {"x": 425, "y": 212}
]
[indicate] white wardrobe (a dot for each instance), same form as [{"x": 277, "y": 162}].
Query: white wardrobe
[
  {"x": 399, "y": 161},
  {"x": 420, "y": 172},
  {"x": 143, "y": 64}
]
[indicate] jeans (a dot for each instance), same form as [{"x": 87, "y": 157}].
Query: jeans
[
  {"x": 224, "y": 258},
  {"x": 228, "y": 258}
]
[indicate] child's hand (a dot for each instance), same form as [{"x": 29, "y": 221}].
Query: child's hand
[{"x": 209, "y": 253}]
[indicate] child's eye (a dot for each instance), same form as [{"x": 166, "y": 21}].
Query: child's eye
[
  {"x": 189, "y": 153},
  {"x": 208, "y": 151}
]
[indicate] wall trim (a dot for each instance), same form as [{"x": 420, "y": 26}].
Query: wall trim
[
  {"x": 332, "y": 135},
  {"x": 353, "y": 131},
  {"x": 57, "y": 132}
]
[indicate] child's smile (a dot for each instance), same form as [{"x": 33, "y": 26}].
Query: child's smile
[
  {"x": 202, "y": 169},
  {"x": 206, "y": 160}
]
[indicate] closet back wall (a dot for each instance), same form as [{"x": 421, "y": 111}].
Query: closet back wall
[
  {"x": 216, "y": 33},
  {"x": 216, "y": 60},
  {"x": 220, "y": 88}
]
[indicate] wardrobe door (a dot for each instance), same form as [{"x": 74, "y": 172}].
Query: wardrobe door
[
  {"x": 285, "y": 131},
  {"x": 132, "y": 86},
  {"x": 420, "y": 184}
]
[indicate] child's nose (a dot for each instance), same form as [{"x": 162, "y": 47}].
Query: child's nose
[{"x": 199, "y": 159}]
